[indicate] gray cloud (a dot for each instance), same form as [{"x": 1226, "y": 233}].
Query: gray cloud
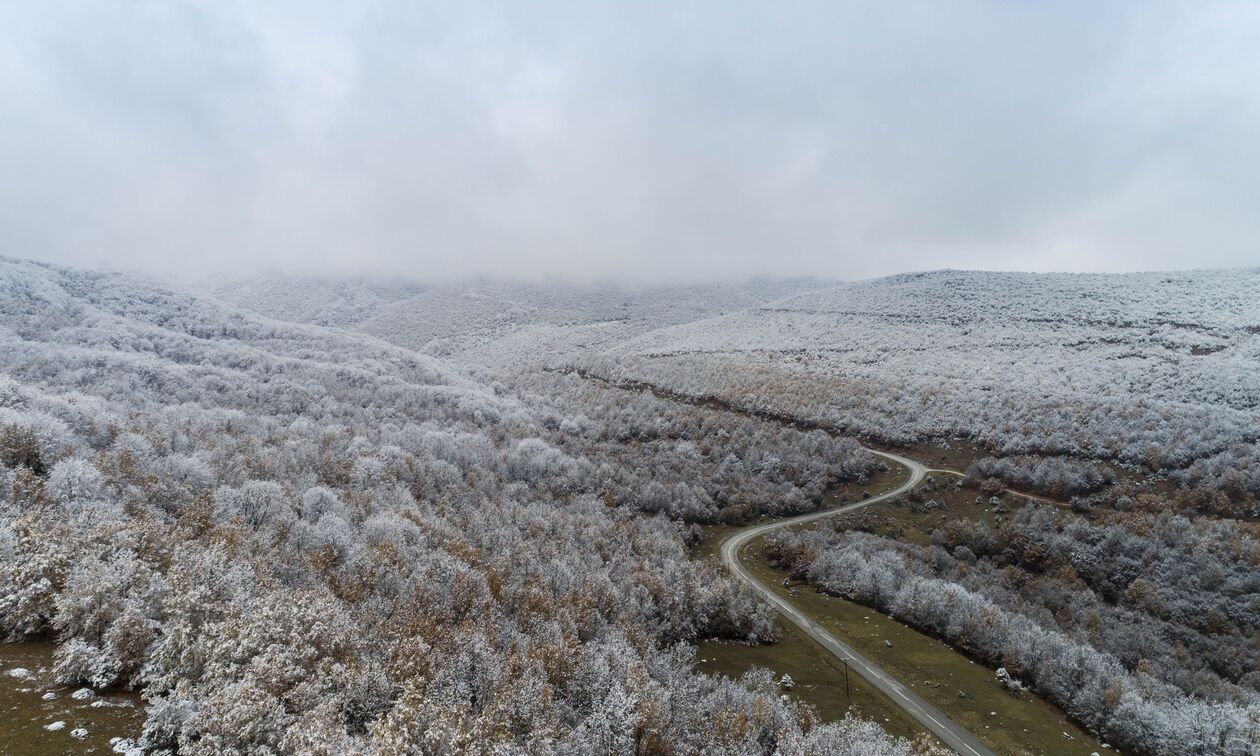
[{"x": 647, "y": 141}]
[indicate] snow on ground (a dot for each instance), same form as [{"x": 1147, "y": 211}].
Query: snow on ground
[
  {"x": 955, "y": 352},
  {"x": 1184, "y": 337}
]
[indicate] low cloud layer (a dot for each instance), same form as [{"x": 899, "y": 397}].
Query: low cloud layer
[{"x": 636, "y": 141}]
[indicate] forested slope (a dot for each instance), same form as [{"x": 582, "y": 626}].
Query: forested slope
[
  {"x": 298, "y": 539},
  {"x": 1150, "y": 369}
]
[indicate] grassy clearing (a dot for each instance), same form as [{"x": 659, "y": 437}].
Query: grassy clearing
[
  {"x": 1005, "y": 722},
  {"x": 818, "y": 678},
  {"x": 911, "y": 521},
  {"x": 955, "y": 454},
  {"x": 25, "y": 713}
]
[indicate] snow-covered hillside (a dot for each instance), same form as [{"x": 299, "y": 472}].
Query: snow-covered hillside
[
  {"x": 95, "y": 332},
  {"x": 295, "y": 537},
  {"x": 496, "y": 324},
  {"x": 330, "y": 302},
  {"x": 1186, "y": 337},
  {"x": 1161, "y": 364},
  {"x": 1150, "y": 368}
]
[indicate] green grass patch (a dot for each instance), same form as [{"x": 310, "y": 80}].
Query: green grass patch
[
  {"x": 818, "y": 678},
  {"x": 912, "y": 518},
  {"x": 1007, "y": 723}
]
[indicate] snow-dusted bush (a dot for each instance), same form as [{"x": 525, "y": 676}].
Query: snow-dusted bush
[
  {"x": 1055, "y": 476},
  {"x": 258, "y": 503},
  {"x": 74, "y": 480}
]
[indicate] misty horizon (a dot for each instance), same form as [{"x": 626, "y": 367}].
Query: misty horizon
[{"x": 545, "y": 279}]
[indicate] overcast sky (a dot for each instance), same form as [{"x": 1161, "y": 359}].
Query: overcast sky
[{"x": 637, "y": 140}]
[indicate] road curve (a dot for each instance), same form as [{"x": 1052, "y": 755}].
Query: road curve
[{"x": 923, "y": 712}]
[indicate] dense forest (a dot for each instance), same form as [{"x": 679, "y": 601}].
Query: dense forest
[{"x": 295, "y": 539}]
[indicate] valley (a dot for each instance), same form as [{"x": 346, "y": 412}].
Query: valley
[{"x": 629, "y": 379}]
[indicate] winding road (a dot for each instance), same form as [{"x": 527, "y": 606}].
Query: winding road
[
  {"x": 932, "y": 718},
  {"x": 926, "y": 714}
]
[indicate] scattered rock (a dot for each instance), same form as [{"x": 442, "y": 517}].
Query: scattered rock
[
  {"x": 49, "y": 696},
  {"x": 888, "y": 643},
  {"x": 962, "y": 694},
  {"x": 79, "y": 733},
  {"x": 54, "y": 726},
  {"x": 786, "y": 682},
  {"x": 82, "y": 694},
  {"x": 20, "y": 673},
  {"x": 100, "y": 703}
]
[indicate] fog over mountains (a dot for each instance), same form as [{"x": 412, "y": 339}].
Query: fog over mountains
[{"x": 641, "y": 379}]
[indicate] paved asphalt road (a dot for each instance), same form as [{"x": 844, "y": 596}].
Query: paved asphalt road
[{"x": 925, "y": 713}]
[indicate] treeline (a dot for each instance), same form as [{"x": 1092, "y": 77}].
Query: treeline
[
  {"x": 1054, "y": 476},
  {"x": 1141, "y": 630},
  {"x": 697, "y": 464}
]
